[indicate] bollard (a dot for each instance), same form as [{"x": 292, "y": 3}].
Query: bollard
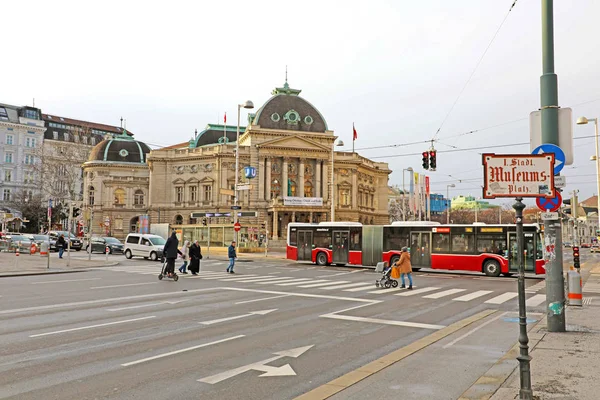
[
  {"x": 106, "y": 251},
  {"x": 17, "y": 259},
  {"x": 44, "y": 249},
  {"x": 575, "y": 295}
]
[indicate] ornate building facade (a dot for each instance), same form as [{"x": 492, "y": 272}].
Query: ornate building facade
[{"x": 286, "y": 150}]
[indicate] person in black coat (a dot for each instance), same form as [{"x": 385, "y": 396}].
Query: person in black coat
[
  {"x": 60, "y": 245},
  {"x": 171, "y": 252},
  {"x": 195, "y": 257}
]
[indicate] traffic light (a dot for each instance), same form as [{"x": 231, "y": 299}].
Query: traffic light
[
  {"x": 432, "y": 160},
  {"x": 204, "y": 221},
  {"x": 425, "y": 160},
  {"x": 576, "y": 257},
  {"x": 76, "y": 212}
]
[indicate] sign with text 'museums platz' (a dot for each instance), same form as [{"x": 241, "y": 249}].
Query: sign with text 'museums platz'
[{"x": 518, "y": 175}]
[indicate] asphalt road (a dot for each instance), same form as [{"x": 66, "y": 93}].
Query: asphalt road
[{"x": 273, "y": 330}]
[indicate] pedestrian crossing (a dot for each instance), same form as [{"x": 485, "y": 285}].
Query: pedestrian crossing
[{"x": 359, "y": 288}]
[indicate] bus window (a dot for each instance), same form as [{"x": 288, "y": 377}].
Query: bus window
[
  {"x": 355, "y": 239},
  {"x": 492, "y": 245},
  {"x": 441, "y": 242},
  {"x": 322, "y": 239},
  {"x": 462, "y": 243},
  {"x": 395, "y": 239},
  {"x": 292, "y": 238}
]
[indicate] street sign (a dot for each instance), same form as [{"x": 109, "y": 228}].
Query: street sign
[
  {"x": 221, "y": 214},
  {"x": 518, "y": 175},
  {"x": 237, "y": 226},
  {"x": 565, "y": 131},
  {"x": 227, "y": 192},
  {"x": 250, "y": 172},
  {"x": 560, "y": 182},
  {"x": 552, "y": 204},
  {"x": 236, "y": 207},
  {"x": 244, "y": 187},
  {"x": 549, "y": 216},
  {"x": 559, "y": 155}
]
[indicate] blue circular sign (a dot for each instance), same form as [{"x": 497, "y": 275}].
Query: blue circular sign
[
  {"x": 250, "y": 172},
  {"x": 550, "y": 205},
  {"x": 559, "y": 155}
]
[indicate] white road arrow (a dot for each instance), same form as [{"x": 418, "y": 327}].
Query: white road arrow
[
  {"x": 284, "y": 370},
  {"x": 216, "y": 321}
]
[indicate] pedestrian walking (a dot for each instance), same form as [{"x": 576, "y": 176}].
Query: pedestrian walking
[
  {"x": 60, "y": 245},
  {"x": 171, "y": 252},
  {"x": 185, "y": 255},
  {"x": 405, "y": 268},
  {"x": 195, "y": 257},
  {"x": 232, "y": 256}
]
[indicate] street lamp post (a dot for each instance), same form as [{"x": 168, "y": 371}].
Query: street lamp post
[
  {"x": 248, "y": 105},
  {"x": 340, "y": 143},
  {"x": 584, "y": 121},
  {"x": 410, "y": 170},
  {"x": 447, "y": 199}
]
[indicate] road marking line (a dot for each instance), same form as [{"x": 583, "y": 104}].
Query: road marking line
[
  {"x": 473, "y": 331},
  {"x": 502, "y": 298},
  {"x": 359, "y": 289},
  {"x": 66, "y": 280},
  {"x": 309, "y": 282},
  {"x": 262, "y": 278},
  {"x": 143, "y": 305},
  {"x": 297, "y": 281},
  {"x": 535, "y": 300},
  {"x": 125, "y": 285},
  {"x": 245, "y": 278},
  {"x": 417, "y": 291},
  {"x": 143, "y": 360},
  {"x": 91, "y": 326},
  {"x": 388, "y": 290},
  {"x": 343, "y": 286},
  {"x": 323, "y": 284},
  {"x": 234, "y": 317},
  {"x": 341, "y": 273},
  {"x": 384, "y": 321},
  {"x": 444, "y": 293},
  {"x": 315, "y": 296},
  {"x": 282, "y": 279},
  {"x": 252, "y": 276},
  {"x": 264, "y": 298},
  {"x": 474, "y": 295}
]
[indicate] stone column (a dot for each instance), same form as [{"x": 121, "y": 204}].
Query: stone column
[
  {"x": 354, "y": 190},
  {"x": 268, "y": 183},
  {"x": 275, "y": 224},
  {"x": 261, "y": 179},
  {"x": 284, "y": 177},
  {"x": 293, "y": 216},
  {"x": 301, "y": 178},
  {"x": 310, "y": 217},
  {"x": 318, "y": 178},
  {"x": 325, "y": 181}
]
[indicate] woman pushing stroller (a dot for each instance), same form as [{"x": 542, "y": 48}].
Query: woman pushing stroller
[{"x": 404, "y": 268}]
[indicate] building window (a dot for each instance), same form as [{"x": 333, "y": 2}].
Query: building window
[
  {"x": 93, "y": 141},
  {"x": 8, "y": 158},
  {"x": 9, "y": 139},
  {"x": 138, "y": 198},
  {"x": 178, "y": 220},
  {"x": 85, "y": 140},
  {"x": 28, "y": 177},
  {"x": 179, "y": 194},
  {"x": 31, "y": 114},
  {"x": 55, "y": 135},
  {"x": 28, "y": 159},
  {"x": 119, "y": 196},
  {"x": 308, "y": 189},
  {"x": 275, "y": 188},
  {"x": 344, "y": 195},
  {"x": 3, "y": 114},
  {"x": 91, "y": 195},
  {"x": 6, "y": 195},
  {"x": 66, "y": 136},
  {"x": 207, "y": 192},
  {"x": 30, "y": 142},
  {"x": 193, "y": 194},
  {"x": 291, "y": 188},
  {"x": 7, "y": 175}
]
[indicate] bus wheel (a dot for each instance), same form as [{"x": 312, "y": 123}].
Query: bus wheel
[
  {"x": 491, "y": 268},
  {"x": 394, "y": 260},
  {"x": 321, "y": 259}
]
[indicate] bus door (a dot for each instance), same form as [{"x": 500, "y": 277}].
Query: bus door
[
  {"x": 340, "y": 247},
  {"x": 305, "y": 242},
  {"x": 529, "y": 253},
  {"x": 420, "y": 249}
]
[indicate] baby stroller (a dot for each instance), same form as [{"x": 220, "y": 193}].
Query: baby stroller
[
  {"x": 386, "y": 281},
  {"x": 163, "y": 272}
]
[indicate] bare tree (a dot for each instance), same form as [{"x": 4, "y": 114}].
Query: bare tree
[
  {"x": 31, "y": 206},
  {"x": 395, "y": 210}
]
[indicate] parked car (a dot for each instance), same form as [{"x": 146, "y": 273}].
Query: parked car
[
  {"x": 99, "y": 244},
  {"x": 17, "y": 240},
  {"x": 586, "y": 246},
  {"x": 144, "y": 245},
  {"x": 39, "y": 239},
  {"x": 567, "y": 244},
  {"x": 76, "y": 243},
  {"x": 595, "y": 249}
]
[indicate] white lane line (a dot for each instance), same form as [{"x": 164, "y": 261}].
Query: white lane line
[
  {"x": 384, "y": 321},
  {"x": 92, "y": 326},
  {"x": 262, "y": 299},
  {"x": 276, "y": 272},
  {"x": 124, "y": 285},
  {"x": 347, "y": 285},
  {"x": 474, "y": 295},
  {"x": 458, "y": 339},
  {"x": 66, "y": 280},
  {"x": 386, "y": 291},
  {"x": 417, "y": 291},
  {"x": 289, "y": 269},
  {"x": 270, "y": 279},
  {"x": 535, "y": 300},
  {"x": 443, "y": 294},
  {"x": 253, "y": 279},
  {"x": 360, "y": 288},
  {"x": 307, "y": 282},
  {"x": 230, "y": 278},
  {"x": 300, "y": 281},
  {"x": 143, "y": 305},
  {"x": 143, "y": 360},
  {"x": 282, "y": 279},
  {"x": 341, "y": 273},
  {"x": 323, "y": 284},
  {"x": 247, "y": 277},
  {"x": 502, "y": 298}
]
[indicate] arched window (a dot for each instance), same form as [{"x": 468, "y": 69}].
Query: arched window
[
  {"x": 308, "y": 189},
  {"x": 178, "y": 220},
  {"x": 119, "y": 196},
  {"x": 291, "y": 188},
  {"x": 275, "y": 188},
  {"x": 91, "y": 192},
  {"x": 138, "y": 197}
]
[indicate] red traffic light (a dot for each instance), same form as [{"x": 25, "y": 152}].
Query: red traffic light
[
  {"x": 432, "y": 153},
  {"x": 425, "y": 154}
]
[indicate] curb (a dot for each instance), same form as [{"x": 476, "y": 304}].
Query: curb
[{"x": 54, "y": 272}]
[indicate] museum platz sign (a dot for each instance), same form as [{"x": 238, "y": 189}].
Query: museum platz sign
[{"x": 518, "y": 175}]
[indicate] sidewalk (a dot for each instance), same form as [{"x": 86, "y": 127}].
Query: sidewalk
[{"x": 26, "y": 264}]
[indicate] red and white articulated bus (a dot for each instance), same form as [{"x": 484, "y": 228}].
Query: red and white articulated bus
[{"x": 490, "y": 249}]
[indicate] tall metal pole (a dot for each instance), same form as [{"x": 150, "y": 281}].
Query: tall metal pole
[
  {"x": 525, "y": 391},
  {"x": 597, "y": 172},
  {"x": 555, "y": 294},
  {"x": 69, "y": 234},
  {"x": 237, "y": 167},
  {"x": 332, "y": 182}
]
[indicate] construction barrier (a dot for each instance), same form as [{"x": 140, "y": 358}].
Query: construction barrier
[
  {"x": 33, "y": 249},
  {"x": 575, "y": 288},
  {"x": 44, "y": 249}
]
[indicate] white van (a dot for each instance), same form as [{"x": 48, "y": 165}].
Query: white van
[{"x": 142, "y": 245}]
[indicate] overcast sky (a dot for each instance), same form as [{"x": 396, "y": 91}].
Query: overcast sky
[{"x": 394, "y": 68}]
